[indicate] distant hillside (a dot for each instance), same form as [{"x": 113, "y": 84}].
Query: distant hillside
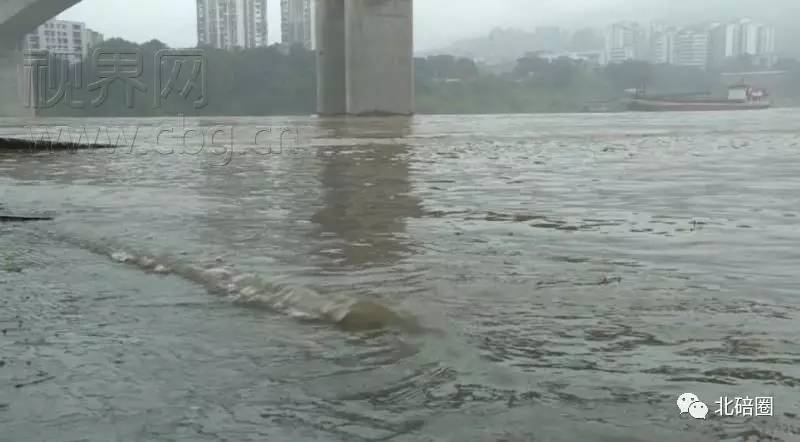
[{"x": 503, "y": 46}]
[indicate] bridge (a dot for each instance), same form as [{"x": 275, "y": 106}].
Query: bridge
[{"x": 365, "y": 63}]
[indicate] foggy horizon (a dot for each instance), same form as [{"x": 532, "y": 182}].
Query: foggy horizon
[{"x": 175, "y": 24}]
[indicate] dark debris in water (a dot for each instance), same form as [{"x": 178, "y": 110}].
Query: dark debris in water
[
  {"x": 20, "y": 219},
  {"x": 542, "y": 222},
  {"x": 517, "y": 218},
  {"x": 21, "y": 145},
  {"x": 34, "y": 382},
  {"x": 701, "y": 380},
  {"x": 769, "y": 376}
]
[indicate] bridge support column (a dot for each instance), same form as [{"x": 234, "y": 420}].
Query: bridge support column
[
  {"x": 330, "y": 38},
  {"x": 380, "y": 57},
  {"x": 365, "y": 59},
  {"x": 14, "y": 88}
]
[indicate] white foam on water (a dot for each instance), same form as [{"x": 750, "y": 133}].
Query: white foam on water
[{"x": 250, "y": 290}]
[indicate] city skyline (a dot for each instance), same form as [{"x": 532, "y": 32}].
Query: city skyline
[
  {"x": 678, "y": 45},
  {"x": 698, "y": 45},
  {"x": 174, "y": 22}
]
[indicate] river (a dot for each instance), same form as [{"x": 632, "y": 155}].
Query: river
[{"x": 469, "y": 278}]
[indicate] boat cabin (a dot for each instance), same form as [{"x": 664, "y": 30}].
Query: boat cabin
[
  {"x": 737, "y": 93},
  {"x": 743, "y": 93}
]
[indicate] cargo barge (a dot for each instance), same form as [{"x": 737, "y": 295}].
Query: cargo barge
[{"x": 740, "y": 97}]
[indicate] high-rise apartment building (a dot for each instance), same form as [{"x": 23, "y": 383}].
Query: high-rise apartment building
[
  {"x": 227, "y": 24},
  {"x": 679, "y": 46},
  {"x": 747, "y": 42},
  {"x": 691, "y": 48},
  {"x": 766, "y": 40},
  {"x": 69, "y": 39},
  {"x": 296, "y": 22},
  {"x": 744, "y": 38},
  {"x": 625, "y": 41},
  {"x": 662, "y": 44},
  {"x": 722, "y": 43}
]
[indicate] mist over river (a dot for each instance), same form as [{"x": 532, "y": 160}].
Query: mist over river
[{"x": 438, "y": 278}]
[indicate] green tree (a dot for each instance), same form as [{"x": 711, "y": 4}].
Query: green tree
[
  {"x": 629, "y": 74},
  {"x": 529, "y": 66}
]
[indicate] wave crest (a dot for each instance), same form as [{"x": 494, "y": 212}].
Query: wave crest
[{"x": 347, "y": 312}]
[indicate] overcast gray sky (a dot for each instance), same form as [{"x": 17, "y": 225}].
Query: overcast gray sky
[{"x": 437, "y": 22}]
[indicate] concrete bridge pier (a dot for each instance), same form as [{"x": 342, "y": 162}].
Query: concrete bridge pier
[
  {"x": 330, "y": 39},
  {"x": 380, "y": 57},
  {"x": 17, "y": 17},
  {"x": 13, "y": 86},
  {"x": 365, "y": 57}
]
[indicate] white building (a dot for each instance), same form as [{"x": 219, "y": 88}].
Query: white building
[
  {"x": 625, "y": 41},
  {"x": 662, "y": 44},
  {"x": 227, "y": 24},
  {"x": 69, "y": 39},
  {"x": 744, "y": 38},
  {"x": 691, "y": 48},
  {"x": 747, "y": 42},
  {"x": 766, "y": 40},
  {"x": 722, "y": 43},
  {"x": 93, "y": 38},
  {"x": 296, "y": 22},
  {"x": 679, "y": 46}
]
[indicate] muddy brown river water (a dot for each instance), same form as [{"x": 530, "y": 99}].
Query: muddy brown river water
[{"x": 465, "y": 278}]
